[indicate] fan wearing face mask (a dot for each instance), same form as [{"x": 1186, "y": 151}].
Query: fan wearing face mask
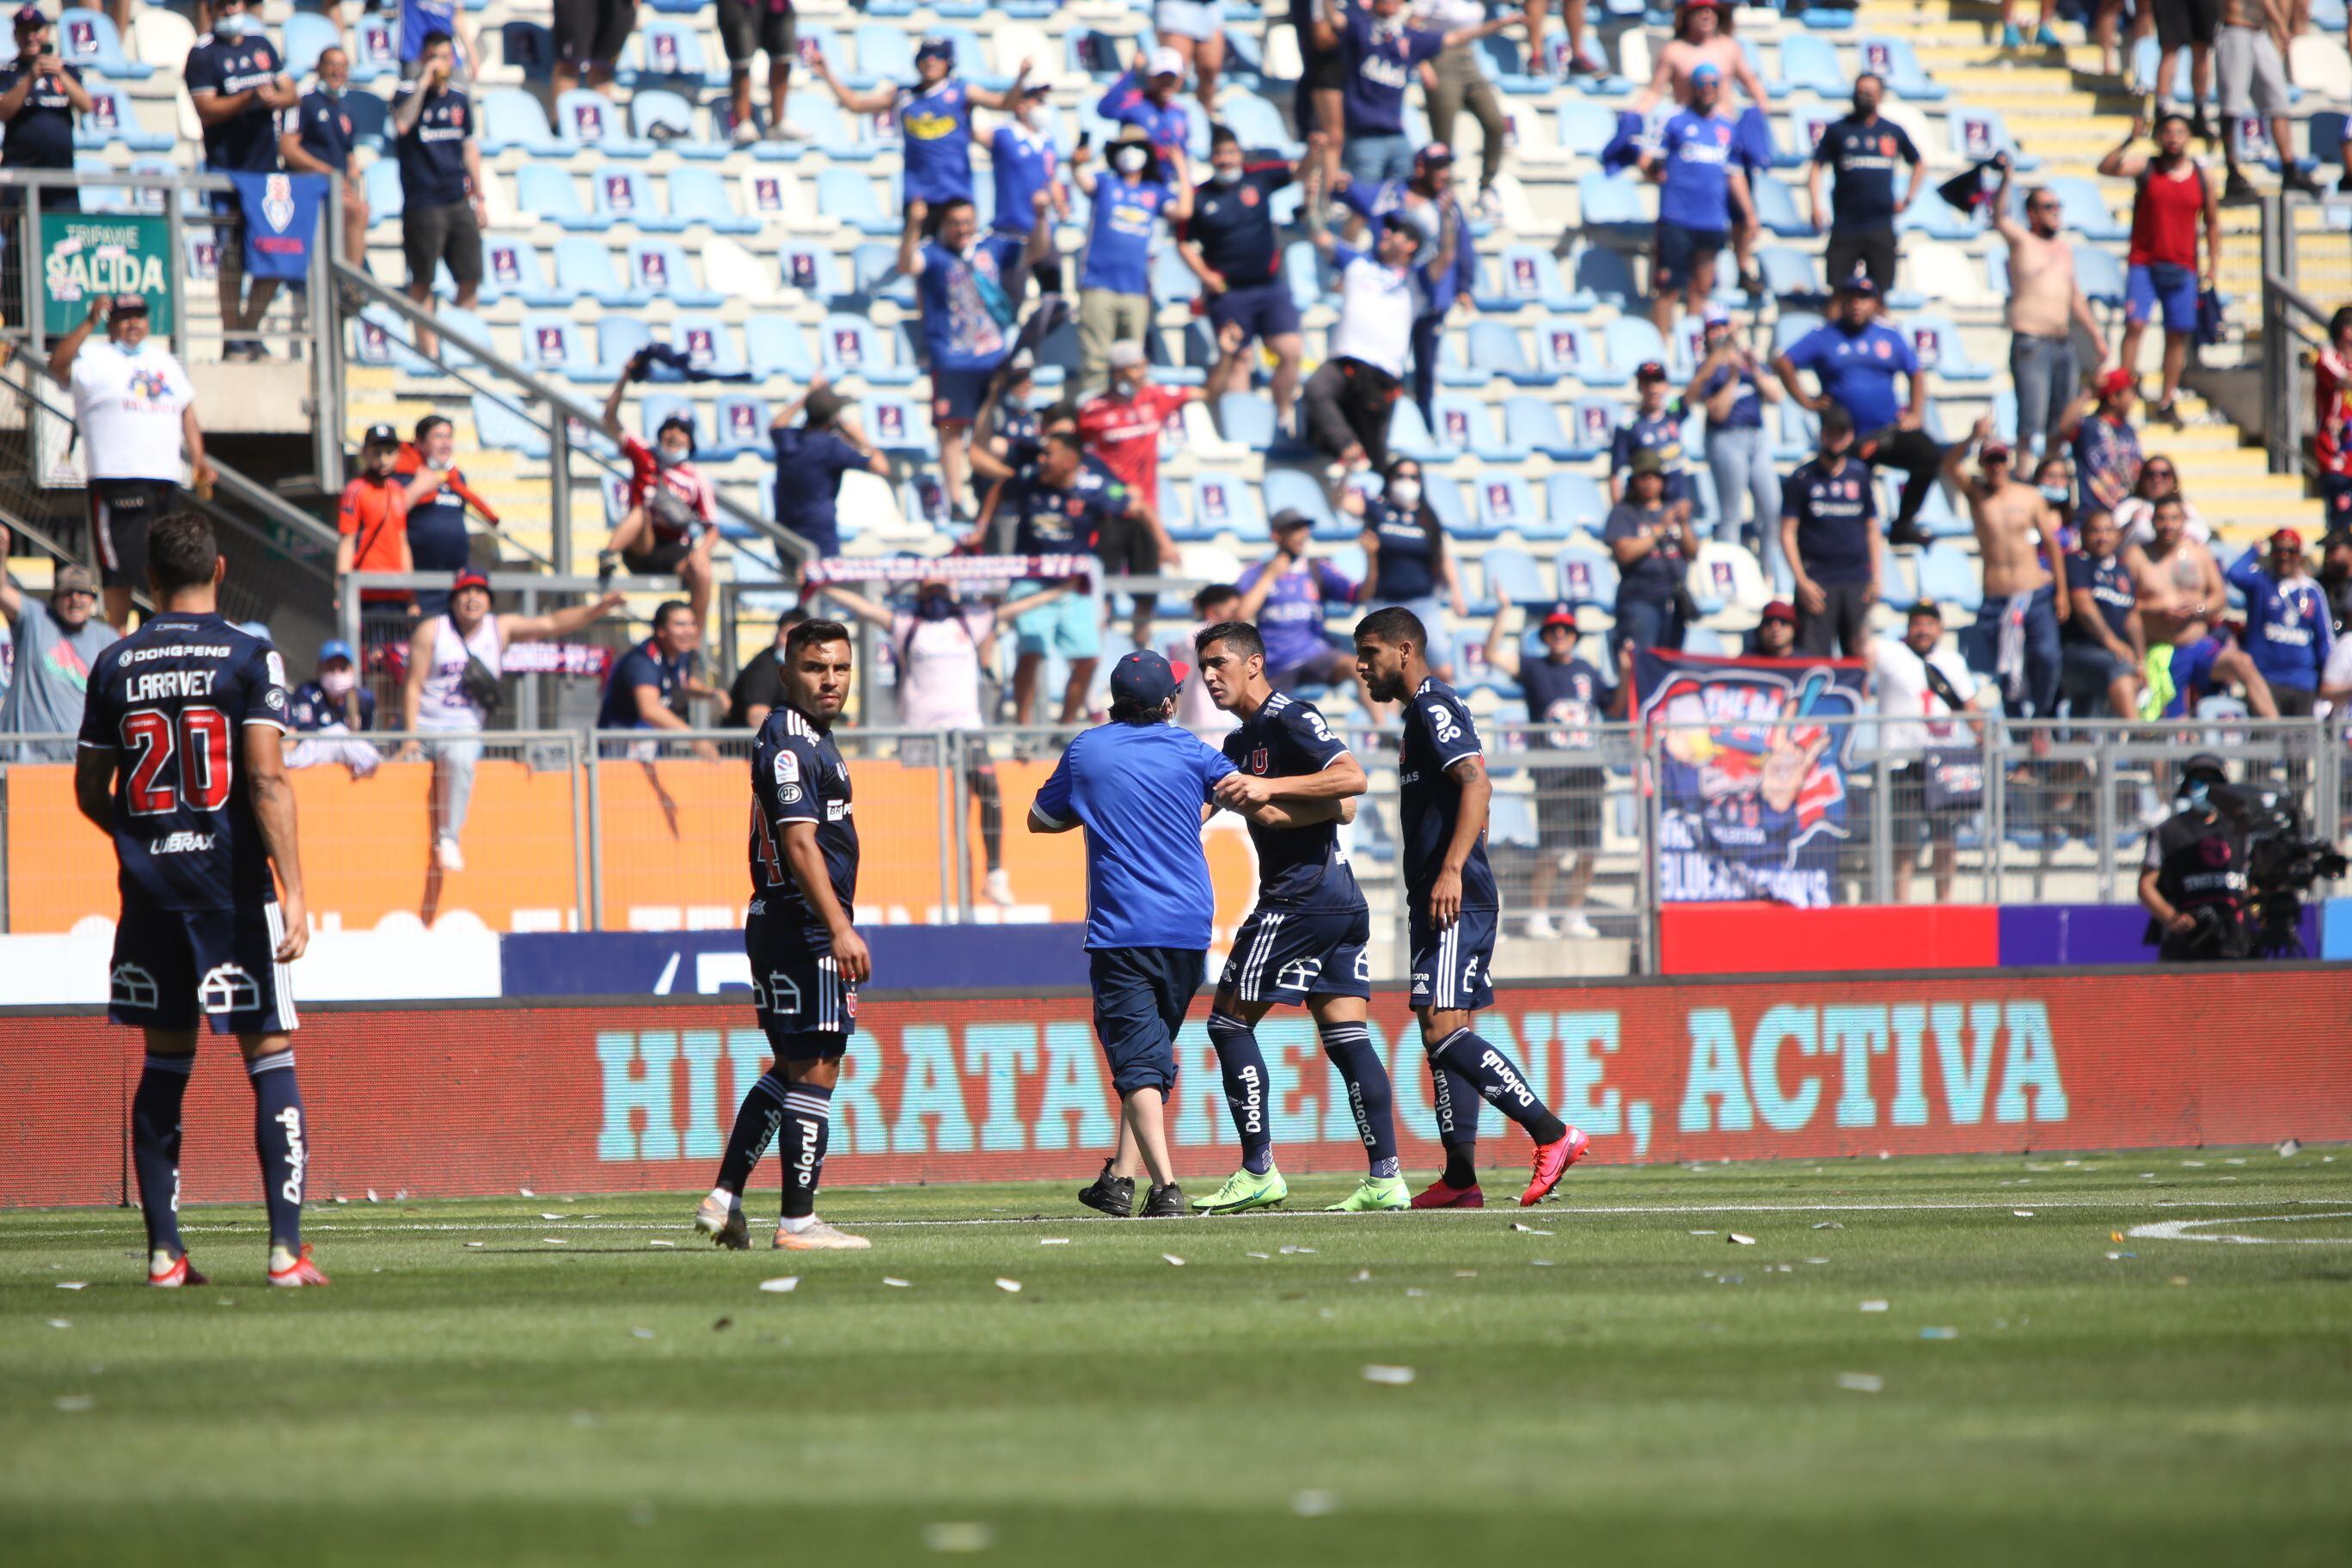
[
  {"x": 1142, "y": 188},
  {"x": 1405, "y": 560}
]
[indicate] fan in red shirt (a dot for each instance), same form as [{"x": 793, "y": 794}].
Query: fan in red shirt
[
  {"x": 2162, "y": 277},
  {"x": 670, "y": 525},
  {"x": 1121, "y": 427},
  {"x": 2331, "y": 441}
]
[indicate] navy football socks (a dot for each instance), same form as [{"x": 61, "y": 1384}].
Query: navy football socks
[
  {"x": 808, "y": 1127},
  {"x": 1457, "y": 1104},
  {"x": 155, "y": 1147},
  {"x": 756, "y": 1120},
  {"x": 1495, "y": 1077},
  {"x": 1349, "y": 1046},
  {"x": 1243, "y": 1066},
  {"x": 279, "y": 1139}
]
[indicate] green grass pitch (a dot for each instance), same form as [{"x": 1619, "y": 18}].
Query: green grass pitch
[{"x": 1621, "y": 1384}]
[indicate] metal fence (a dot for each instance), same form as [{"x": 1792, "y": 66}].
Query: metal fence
[{"x": 1593, "y": 831}]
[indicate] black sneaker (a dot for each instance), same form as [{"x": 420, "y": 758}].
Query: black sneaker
[
  {"x": 1907, "y": 536},
  {"x": 2238, "y": 188},
  {"x": 1165, "y": 1203},
  {"x": 2346, "y": 183},
  {"x": 2167, "y": 412},
  {"x": 2202, "y": 127},
  {"x": 2295, "y": 180},
  {"x": 1114, "y": 1195}
]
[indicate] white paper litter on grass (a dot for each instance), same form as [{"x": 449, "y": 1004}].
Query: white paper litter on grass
[
  {"x": 1706, "y": 1233},
  {"x": 641, "y": 1333},
  {"x": 526, "y": 1192},
  {"x": 1528, "y": 1229},
  {"x": 661, "y": 1244},
  {"x": 477, "y": 1244},
  {"x": 1266, "y": 1256},
  {"x": 1288, "y": 1250},
  {"x": 1466, "y": 1274},
  {"x": 1939, "y": 1333},
  {"x": 2289, "y": 1147},
  {"x": 783, "y": 1286},
  {"x": 1817, "y": 1260},
  {"x": 959, "y": 1535},
  {"x": 1735, "y": 1239},
  {"x": 2023, "y": 1214},
  {"x": 554, "y": 1241},
  {"x": 1313, "y": 1503},
  {"x": 900, "y": 1284},
  {"x": 1874, "y": 1306},
  {"x": 73, "y": 1284},
  {"x": 542, "y": 1216},
  {"x": 61, "y": 1323},
  {"x": 1538, "y": 1262},
  {"x": 1054, "y": 1241},
  {"x": 1393, "y": 1376},
  {"x": 1830, "y": 1225},
  {"x": 1011, "y": 1285},
  {"x": 1172, "y": 1261},
  {"x": 1361, "y": 1275},
  {"x": 74, "y": 1404},
  {"x": 1416, "y": 1292},
  {"x": 1860, "y": 1382}
]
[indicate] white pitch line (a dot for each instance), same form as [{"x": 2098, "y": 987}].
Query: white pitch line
[
  {"x": 2191, "y": 1230},
  {"x": 1592, "y": 1211}
]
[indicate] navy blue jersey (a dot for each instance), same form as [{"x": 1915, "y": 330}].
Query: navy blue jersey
[
  {"x": 433, "y": 153},
  {"x": 643, "y": 664},
  {"x": 1050, "y": 522},
  {"x": 1863, "y": 155},
  {"x": 325, "y": 128},
  {"x": 171, "y": 702},
  {"x": 247, "y": 141},
  {"x": 1836, "y": 509},
  {"x": 1570, "y": 695},
  {"x": 314, "y": 710},
  {"x": 2110, "y": 582},
  {"x": 797, "y": 775},
  {"x": 1234, "y": 225},
  {"x": 1659, "y": 433},
  {"x": 41, "y": 134},
  {"x": 1297, "y": 868},
  {"x": 1408, "y": 551},
  {"x": 1438, "y": 733}
]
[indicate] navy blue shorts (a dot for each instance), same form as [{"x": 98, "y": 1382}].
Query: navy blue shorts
[
  {"x": 805, "y": 1008},
  {"x": 1288, "y": 955},
  {"x": 1141, "y": 995},
  {"x": 173, "y": 967},
  {"x": 1264, "y": 312},
  {"x": 956, "y": 394},
  {"x": 1449, "y": 966},
  {"x": 1679, "y": 250}
]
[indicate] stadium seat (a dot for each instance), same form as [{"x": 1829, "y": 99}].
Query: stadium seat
[
  {"x": 658, "y": 268},
  {"x": 771, "y": 195},
  {"x": 1409, "y": 437},
  {"x": 1776, "y": 208},
  {"x": 1466, "y": 424},
  {"x": 590, "y": 122},
  {"x": 1612, "y": 201},
  {"x": 874, "y": 272},
  {"x": 666, "y": 53},
  {"x": 1793, "y": 325},
  {"x": 583, "y": 270},
  {"x": 1977, "y": 134},
  {"x": 1810, "y": 64},
  {"x": 1728, "y": 585},
  {"x": 1591, "y": 423},
  {"x": 1894, "y": 60},
  {"x": 87, "y": 40},
  {"x": 1295, "y": 490},
  {"x": 1533, "y": 423},
  {"x": 618, "y": 338},
  {"x": 1587, "y": 574},
  {"x": 776, "y": 346},
  {"x": 655, "y": 408},
  {"x": 307, "y": 33},
  {"x": 384, "y": 194},
  {"x": 1585, "y": 127},
  {"x": 1564, "y": 349},
  {"x": 663, "y": 119},
  {"x": 1525, "y": 275},
  {"x": 2083, "y": 207},
  {"x": 847, "y": 196},
  {"x": 1787, "y": 272},
  {"x": 1605, "y": 275},
  {"x": 849, "y": 346},
  {"x": 544, "y": 192},
  {"x": 1172, "y": 282},
  {"x": 1496, "y": 347},
  {"x": 376, "y": 51},
  {"x": 1938, "y": 344},
  {"x": 898, "y": 423},
  {"x": 511, "y": 119},
  {"x": 2099, "y": 275},
  {"x": 1246, "y": 419},
  {"x": 371, "y": 120},
  {"x": 740, "y": 424},
  {"x": 813, "y": 269},
  {"x": 1634, "y": 341},
  {"x": 709, "y": 344},
  {"x": 1574, "y": 501},
  {"x": 699, "y": 196},
  {"x": 627, "y": 196},
  {"x": 1504, "y": 502},
  {"x": 1442, "y": 496},
  {"x": 884, "y": 53},
  {"x": 1774, "y": 87},
  {"x": 499, "y": 427},
  {"x": 1223, "y": 504},
  {"x": 113, "y": 121},
  {"x": 553, "y": 345},
  {"x": 1949, "y": 577}
]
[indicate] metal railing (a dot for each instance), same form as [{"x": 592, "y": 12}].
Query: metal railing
[{"x": 1594, "y": 829}]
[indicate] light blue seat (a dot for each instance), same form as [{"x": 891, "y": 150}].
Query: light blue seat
[
  {"x": 375, "y": 47},
  {"x": 850, "y": 345},
  {"x": 1633, "y": 341},
  {"x": 1976, "y": 134},
  {"x": 898, "y": 424},
  {"x": 589, "y": 122},
  {"x": 2098, "y": 274},
  {"x": 307, "y": 33},
  {"x": 813, "y": 269},
  {"x": 583, "y": 270},
  {"x": 1585, "y": 127},
  {"x": 1302, "y": 271},
  {"x": 709, "y": 344},
  {"x": 2083, "y": 208},
  {"x": 1294, "y": 490},
  {"x": 668, "y": 51},
  {"x": 1894, "y": 60},
  {"x": 1504, "y": 502},
  {"x": 500, "y": 427},
  {"x": 847, "y": 196},
  {"x": 885, "y": 54},
  {"x": 385, "y": 201},
  {"x": 700, "y": 196},
  {"x": 1408, "y": 435},
  {"x": 512, "y": 118},
  {"x": 1517, "y": 574},
  {"x": 87, "y": 40},
  {"x": 1612, "y": 200},
  {"x": 1793, "y": 325},
  {"x": 655, "y": 408},
  {"x": 1787, "y": 272},
  {"x": 1495, "y": 347},
  {"x": 1587, "y": 574},
  {"x": 830, "y": 132},
  {"x": 554, "y": 345},
  {"x": 1525, "y": 275},
  {"x": 1465, "y": 423},
  {"x": 1173, "y": 513},
  {"x": 658, "y": 268},
  {"x": 874, "y": 271},
  {"x": 1247, "y": 419},
  {"x": 1172, "y": 282},
  {"x": 113, "y": 122},
  {"x": 546, "y": 193},
  {"x": 1591, "y": 424},
  {"x": 1605, "y": 275},
  {"x": 1939, "y": 348},
  {"x": 1224, "y": 504},
  {"x": 1811, "y": 64},
  {"x": 1257, "y": 122},
  {"x": 1574, "y": 501},
  {"x": 740, "y": 424},
  {"x": 1776, "y": 208},
  {"x": 665, "y": 120},
  {"x": 618, "y": 338},
  {"x": 1564, "y": 349},
  {"x": 1533, "y": 423},
  {"x": 371, "y": 120},
  {"x": 628, "y": 195},
  {"x": 1444, "y": 499},
  {"x": 1774, "y": 85},
  {"x": 775, "y": 346},
  {"x": 1797, "y": 434}
]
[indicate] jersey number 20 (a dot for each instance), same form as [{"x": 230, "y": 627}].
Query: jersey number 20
[{"x": 201, "y": 740}]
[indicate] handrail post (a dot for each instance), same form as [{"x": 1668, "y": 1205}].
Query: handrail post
[
  {"x": 558, "y": 476},
  {"x": 326, "y": 339}
]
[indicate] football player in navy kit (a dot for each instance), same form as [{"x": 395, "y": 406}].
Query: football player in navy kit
[
  {"x": 180, "y": 761},
  {"x": 1306, "y": 939},
  {"x": 1453, "y": 912},
  {"x": 806, "y": 958}
]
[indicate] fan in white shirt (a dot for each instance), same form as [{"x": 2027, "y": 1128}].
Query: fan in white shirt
[{"x": 1918, "y": 718}]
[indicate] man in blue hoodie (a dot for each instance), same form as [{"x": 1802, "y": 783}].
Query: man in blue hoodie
[{"x": 2288, "y": 633}]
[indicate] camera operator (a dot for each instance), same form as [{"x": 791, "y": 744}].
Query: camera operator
[{"x": 2193, "y": 882}]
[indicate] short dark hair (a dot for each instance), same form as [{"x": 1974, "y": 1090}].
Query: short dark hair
[
  {"x": 1242, "y": 636},
  {"x": 1139, "y": 712},
  {"x": 1220, "y": 134},
  {"x": 429, "y": 423},
  {"x": 1870, "y": 76},
  {"x": 182, "y": 551},
  {"x": 1065, "y": 438},
  {"x": 1214, "y": 594},
  {"x": 2164, "y": 120},
  {"x": 424, "y": 44},
  {"x": 813, "y": 633},
  {"x": 1394, "y": 624},
  {"x": 2169, "y": 497},
  {"x": 2338, "y": 321},
  {"x": 1836, "y": 421},
  {"x": 667, "y": 608}
]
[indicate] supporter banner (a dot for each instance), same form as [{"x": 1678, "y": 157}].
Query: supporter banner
[
  {"x": 1751, "y": 782},
  {"x": 281, "y": 219},
  {"x": 946, "y": 568},
  {"x": 572, "y": 1098},
  {"x": 85, "y": 256},
  {"x": 708, "y": 962}
]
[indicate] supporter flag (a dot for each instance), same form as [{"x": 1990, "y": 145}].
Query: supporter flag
[
  {"x": 1751, "y": 756},
  {"x": 1970, "y": 191},
  {"x": 281, "y": 216},
  {"x": 1752, "y": 141},
  {"x": 1624, "y": 148}
]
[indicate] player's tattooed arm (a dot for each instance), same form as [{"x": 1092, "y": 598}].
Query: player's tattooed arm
[{"x": 272, "y": 795}]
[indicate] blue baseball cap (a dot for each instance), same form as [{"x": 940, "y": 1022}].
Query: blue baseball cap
[
  {"x": 1706, "y": 74},
  {"x": 1144, "y": 679},
  {"x": 936, "y": 47},
  {"x": 334, "y": 649}
]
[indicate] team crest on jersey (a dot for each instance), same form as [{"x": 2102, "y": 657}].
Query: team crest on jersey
[
  {"x": 1259, "y": 761},
  {"x": 130, "y": 986},
  {"x": 228, "y": 988}
]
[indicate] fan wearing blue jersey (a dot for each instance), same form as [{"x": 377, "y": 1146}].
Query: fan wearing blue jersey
[
  {"x": 934, "y": 116},
  {"x": 181, "y": 762},
  {"x": 1452, "y": 914},
  {"x": 1306, "y": 940},
  {"x": 807, "y": 960}
]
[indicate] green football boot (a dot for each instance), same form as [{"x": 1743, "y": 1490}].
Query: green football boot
[
  {"x": 1244, "y": 1190},
  {"x": 1379, "y": 1194}
]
